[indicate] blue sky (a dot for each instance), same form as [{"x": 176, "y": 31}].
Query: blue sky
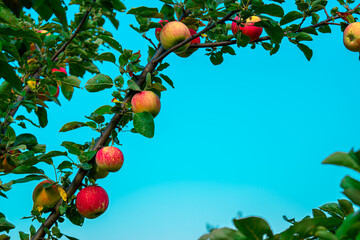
[{"x": 248, "y": 135}]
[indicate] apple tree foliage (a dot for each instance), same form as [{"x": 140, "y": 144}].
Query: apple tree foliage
[{"x": 28, "y": 55}]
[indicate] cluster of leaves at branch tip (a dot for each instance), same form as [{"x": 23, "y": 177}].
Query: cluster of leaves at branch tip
[{"x": 30, "y": 50}]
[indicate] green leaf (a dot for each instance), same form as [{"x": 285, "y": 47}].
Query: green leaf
[
  {"x": 73, "y": 215},
  {"x": 29, "y": 178},
  {"x": 7, "y": 17},
  {"x": 333, "y": 209},
  {"x": 325, "y": 29},
  {"x": 348, "y": 224},
  {"x": 290, "y": 16},
  {"x": 59, "y": 12},
  {"x": 318, "y": 213},
  {"x": 42, "y": 8},
  {"x": 146, "y": 12},
  {"x": 106, "y": 109},
  {"x": 167, "y": 79},
  {"x": 346, "y": 206},
  {"x": 274, "y": 31},
  {"x": 90, "y": 67},
  {"x": 73, "y": 148},
  {"x": 270, "y": 9},
  {"x": 71, "y": 126},
  {"x": 217, "y": 58},
  {"x": 253, "y": 228},
  {"x": 10, "y": 48},
  {"x": 42, "y": 115},
  {"x": 71, "y": 81},
  {"x": 223, "y": 234},
  {"x": 144, "y": 124},
  {"x": 10, "y": 134},
  {"x": 107, "y": 56},
  {"x": 99, "y": 83},
  {"x": 351, "y": 189},
  {"x": 5, "y": 225},
  {"x": 27, "y": 169},
  {"x": 112, "y": 42},
  {"x": 133, "y": 86},
  {"x": 306, "y": 50},
  {"x": 118, "y": 5},
  {"x": 64, "y": 164},
  {"x": 26, "y": 139},
  {"x": 342, "y": 159},
  {"x": 302, "y": 36},
  {"x": 8, "y": 73}
]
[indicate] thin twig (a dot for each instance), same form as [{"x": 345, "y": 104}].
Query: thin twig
[{"x": 144, "y": 36}]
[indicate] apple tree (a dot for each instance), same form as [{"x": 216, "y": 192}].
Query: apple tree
[{"x": 42, "y": 58}]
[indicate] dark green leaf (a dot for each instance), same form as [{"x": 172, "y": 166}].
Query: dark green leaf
[
  {"x": 71, "y": 81},
  {"x": 99, "y": 83},
  {"x": 346, "y": 206},
  {"x": 59, "y": 11},
  {"x": 324, "y": 29},
  {"x": 107, "y": 56},
  {"x": 42, "y": 115},
  {"x": 5, "y": 225},
  {"x": 271, "y": 9},
  {"x": 333, "y": 209},
  {"x": 112, "y": 42},
  {"x": 144, "y": 124},
  {"x": 73, "y": 215},
  {"x": 27, "y": 169},
  {"x": 253, "y": 228},
  {"x": 106, "y": 109},
  {"x": 133, "y": 86},
  {"x": 8, "y": 73},
  {"x": 26, "y": 139},
  {"x": 167, "y": 79},
  {"x": 72, "y": 125},
  {"x": 64, "y": 164},
  {"x": 291, "y": 16},
  {"x": 306, "y": 50},
  {"x": 342, "y": 159},
  {"x": 29, "y": 178},
  {"x": 118, "y": 5},
  {"x": 19, "y": 32}
]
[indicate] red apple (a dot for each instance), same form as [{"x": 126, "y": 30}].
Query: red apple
[
  {"x": 46, "y": 197},
  {"x": 110, "y": 159},
  {"x": 174, "y": 33},
  {"x": 352, "y": 37},
  {"x": 92, "y": 201},
  {"x": 249, "y": 29},
  {"x": 146, "y": 101},
  {"x": 61, "y": 69},
  {"x": 190, "y": 51},
  {"x": 158, "y": 30}
]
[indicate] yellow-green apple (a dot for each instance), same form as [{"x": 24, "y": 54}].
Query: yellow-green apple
[
  {"x": 92, "y": 201},
  {"x": 249, "y": 29},
  {"x": 146, "y": 101},
  {"x": 45, "y": 198},
  {"x": 109, "y": 158},
  {"x": 352, "y": 37},
  {"x": 174, "y": 33},
  {"x": 190, "y": 51},
  {"x": 158, "y": 30}
]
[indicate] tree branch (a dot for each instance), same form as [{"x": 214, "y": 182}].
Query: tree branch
[
  {"x": 77, "y": 181},
  {"x": 231, "y": 42}
]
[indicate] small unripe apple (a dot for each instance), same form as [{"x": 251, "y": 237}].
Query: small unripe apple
[
  {"x": 174, "y": 33},
  {"x": 146, "y": 101},
  {"x": 46, "y": 197},
  {"x": 109, "y": 158},
  {"x": 352, "y": 37},
  {"x": 92, "y": 201},
  {"x": 158, "y": 30},
  {"x": 190, "y": 51},
  {"x": 249, "y": 29}
]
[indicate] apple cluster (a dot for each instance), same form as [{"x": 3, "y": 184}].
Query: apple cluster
[{"x": 91, "y": 201}]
